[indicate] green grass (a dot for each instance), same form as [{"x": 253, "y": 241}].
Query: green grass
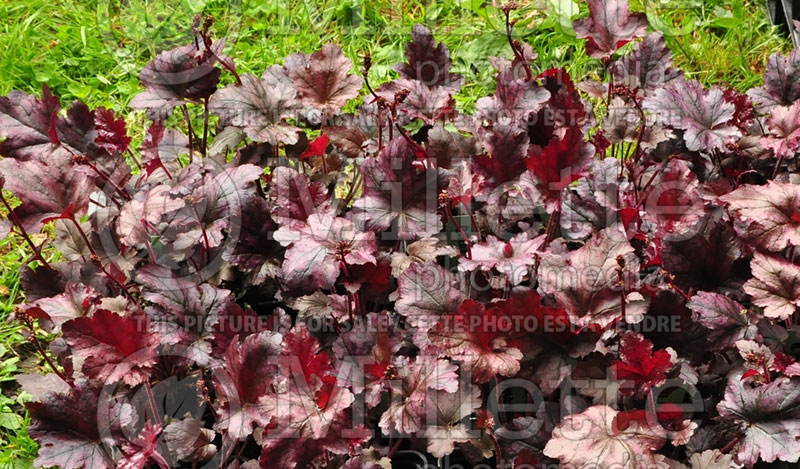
[{"x": 93, "y": 50}]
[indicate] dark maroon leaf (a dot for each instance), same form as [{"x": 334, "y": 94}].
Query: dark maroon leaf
[
  {"x": 47, "y": 185},
  {"x": 648, "y": 66},
  {"x": 781, "y": 82},
  {"x": 560, "y": 163},
  {"x": 727, "y": 320},
  {"x": 244, "y": 379},
  {"x": 175, "y": 77},
  {"x": 507, "y": 147},
  {"x": 428, "y": 61},
  {"x": 398, "y": 192},
  {"x": 66, "y": 427},
  {"x": 294, "y": 197}
]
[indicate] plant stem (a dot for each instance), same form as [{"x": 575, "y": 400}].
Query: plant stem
[
  {"x": 205, "y": 127},
  {"x": 15, "y": 219},
  {"x": 449, "y": 214},
  {"x": 191, "y": 131},
  {"x": 552, "y": 228},
  {"x": 152, "y": 401},
  {"x": 86, "y": 240},
  {"x": 38, "y": 345}
]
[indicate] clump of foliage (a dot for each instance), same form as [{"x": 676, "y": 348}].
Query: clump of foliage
[{"x": 597, "y": 280}]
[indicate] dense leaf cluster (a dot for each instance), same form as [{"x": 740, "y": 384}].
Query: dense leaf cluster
[{"x": 600, "y": 274}]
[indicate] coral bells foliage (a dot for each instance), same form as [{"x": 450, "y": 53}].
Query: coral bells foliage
[{"x": 305, "y": 269}]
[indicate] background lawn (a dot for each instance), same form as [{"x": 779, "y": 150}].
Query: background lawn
[{"x": 93, "y": 51}]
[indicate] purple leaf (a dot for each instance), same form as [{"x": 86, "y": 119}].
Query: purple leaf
[
  {"x": 260, "y": 107},
  {"x": 704, "y": 115},
  {"x": 768, "y": 416},
  {"x": 28, "y": 125},
  {"x": 727, "y": 320},
  {"x": 610, "y": 25}
]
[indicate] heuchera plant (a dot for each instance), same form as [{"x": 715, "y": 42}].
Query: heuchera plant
[{"x": 591, "y": 274}]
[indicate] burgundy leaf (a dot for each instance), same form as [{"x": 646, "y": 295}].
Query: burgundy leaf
[
  {"x": 397, "y": 191},
  {"x": 319, "y": 250},
  {"x": 76, "y": 301},
  {"x": 410, "y": 391},
  {"x": 324, "y": 80},
  {"x": 244, "y": 379},
  {"x": 47, "y": 185},
  {"x": 294, "y": 197},
  {"x": 349, "y": 141},
  {"x": 430, "y": 105},
  {"x": 515, "y": 100},
  {"x": 610, "y": 26},
  {"x": 560, "y": 163},
  {"x": 111, "y": 132},
  {"x": 425, "y": 292},
  {"x": 507, "y": 147},
  {"x": 470, "y": 338},
  {"x": 113, "y": 348},
  {"x": 585, "y": 281},
  {"x": 640, "y": 365}
]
